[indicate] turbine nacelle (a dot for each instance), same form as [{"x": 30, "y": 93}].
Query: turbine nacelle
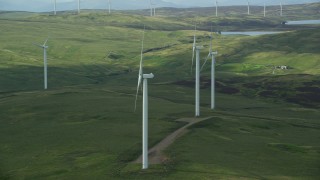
[
  {"x": 148, "y": 76},
  {"x": 41, "y": 46},
  {"x": 214, "y": 53},
  {"x": 198, "y": 47},
  {"x": 44, "y": 45}
]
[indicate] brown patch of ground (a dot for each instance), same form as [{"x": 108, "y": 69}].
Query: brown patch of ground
[{"x": 156, "y": 155}]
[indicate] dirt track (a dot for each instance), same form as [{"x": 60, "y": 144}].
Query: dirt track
[{"x": 156, "y": 155}]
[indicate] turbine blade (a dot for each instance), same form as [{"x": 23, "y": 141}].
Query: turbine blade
[
  {"x": 205, "y": 61},
  {"x": 194, "y": 36},
  {"x": 141, "y": 55},
  {"x": 194, "y": 45},
  {"x": 140, "y": 70},
  {"x": 211, "y": 38},
  {"x": 192, "y": 58},
  {"x": 46, "y": 42},
  {"x": 135, "y": 103},
  {"x": 37, "y": 45}
]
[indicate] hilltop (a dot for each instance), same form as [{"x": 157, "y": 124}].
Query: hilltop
[
  {"x": 167, "y": 49},
  {"x": 265, "y": 124}
]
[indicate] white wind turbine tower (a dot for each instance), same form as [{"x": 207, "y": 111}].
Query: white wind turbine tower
[
  {"x": 145, "y": 78},
  {"x": 78, "y": 6},
  {"x": 248, "y": 7},
  {"x": 55, "y": 7},
  {"x": 154, "y": 9},
  {"x": 109, "y": 4},
  {"x": 280, "y": 8},
  {"x": 150, "y": 5},
  {"x": 44, "y": 47},
  {"x": 216, "y": 8},
  {"x": 197, "y": 79},
  {"x": 211, "y": 54},
  {"x": 264, "y": 10}
]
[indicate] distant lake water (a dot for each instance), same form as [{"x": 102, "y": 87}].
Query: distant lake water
[
  {"x": 258, "y": 33},
  {"x": 250, "y": 33},
  {"x": 302, "y": 22}
]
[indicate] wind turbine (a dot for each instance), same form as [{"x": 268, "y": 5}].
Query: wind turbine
[
  {"x": 55, "y": 7},
  {"x": 280, "y": 8},
  {"x": 154, "y": 9},
  {"x": 150, "y": 5},
  {"x": 109, "y": 4},
  {"x": 44, "y": 47},
  {"x": 211, "y": 54},
  {"x": 197, "y": 73},
  {"x": 264, "y": 10},
  {"x": 216, "y": 8},
  {"x": 78, "y": 6},
  {"x": 145, "y": 78},
  {"x": 248, "y": 7}
]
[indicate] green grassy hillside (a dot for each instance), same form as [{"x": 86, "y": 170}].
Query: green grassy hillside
[
  {"x": 265, "y": 125},
  {"x": 298, "y": 11},
  {"x": 254, "y": 60}
]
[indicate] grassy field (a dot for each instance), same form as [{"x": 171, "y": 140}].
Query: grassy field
[
  {"x": 265, "y": 126},
  {"x": 76, "y": 132}
]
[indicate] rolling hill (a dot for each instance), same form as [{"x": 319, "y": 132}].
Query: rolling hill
[{"x": 265, "y": 126}]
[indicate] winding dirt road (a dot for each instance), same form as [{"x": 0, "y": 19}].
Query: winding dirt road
[{"x": 156, "y": 155}]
